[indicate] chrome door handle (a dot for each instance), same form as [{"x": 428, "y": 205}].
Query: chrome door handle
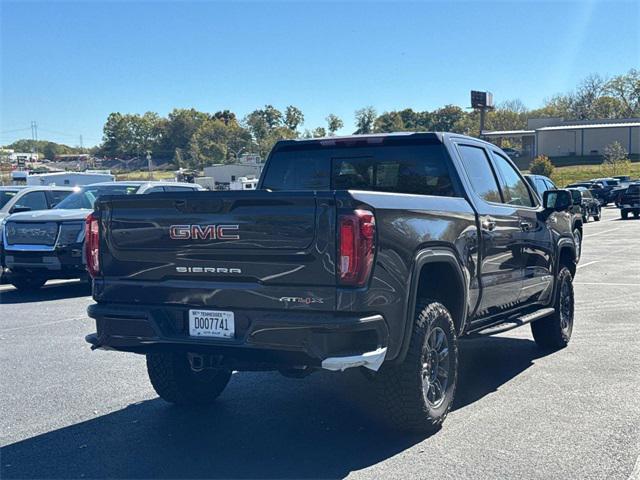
[{"x": 526, "y": 226}]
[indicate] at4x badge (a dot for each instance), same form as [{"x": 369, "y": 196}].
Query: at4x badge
[{"x": 304, "y": 300}]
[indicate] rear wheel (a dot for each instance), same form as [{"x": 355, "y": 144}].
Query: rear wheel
[
  {"x": 418, "y": 393},
  {"x": 555, "y": 330},
  {"x": 27, "y": 283},
  {"x": 624, "y": 214},
  {"x": 174, "y": 380},
  {"x": 598, "y": 214},
  {"x": 636, "y": 214}
]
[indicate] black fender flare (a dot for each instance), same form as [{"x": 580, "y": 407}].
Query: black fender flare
[
  {"x": 425, "y": 257},
  {"x": 564, "y": 243}
]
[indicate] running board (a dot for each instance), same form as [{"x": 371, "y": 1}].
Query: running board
[{"x": 515, "y": 322}]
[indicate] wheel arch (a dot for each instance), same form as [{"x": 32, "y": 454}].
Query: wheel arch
[{"x": 450, "y": 288}]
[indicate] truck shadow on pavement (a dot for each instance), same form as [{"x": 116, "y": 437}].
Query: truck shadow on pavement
[
  {"x": 46, "y": 293},
  {"x": 263, "y": 426}
]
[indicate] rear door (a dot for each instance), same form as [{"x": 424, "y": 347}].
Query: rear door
[
  {"x": 534, "y": 244},
  {"x": 500, "y": 270}
]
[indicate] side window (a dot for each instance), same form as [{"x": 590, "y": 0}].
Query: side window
[
  {"x": 550, "y": 185},
  {"x": 56, "y": 196},
  {"x": 541, "y": 186},
  {"x": 586, "y": 194},
  {"x": 154, "y": 190},
  {"x": 513, "y": 186},
  {"x": 33, "y": 201},
  {"x": 483, "y": 181}
]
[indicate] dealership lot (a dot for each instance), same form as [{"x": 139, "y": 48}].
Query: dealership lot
[{"x": 68, "y": 412}]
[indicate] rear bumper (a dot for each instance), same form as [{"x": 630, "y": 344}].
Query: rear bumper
[{"x": 263, "y": 339}]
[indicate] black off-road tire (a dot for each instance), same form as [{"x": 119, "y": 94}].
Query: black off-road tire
[
  {"x": 27, "y": 283},
  {"x": 624, "y": 214},
  {"x": 174, "y": 380},
  {"x": 598, "y": 215},
  {"x": 404, "y": 387},
  {"x": 636, "y": 214},
  {"x": 554, "y": 331},
  {"x": 577, "y": 237}
]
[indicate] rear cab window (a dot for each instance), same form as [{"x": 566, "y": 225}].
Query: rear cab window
[{"x": 413, "y": 167}]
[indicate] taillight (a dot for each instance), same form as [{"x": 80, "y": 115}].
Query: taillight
[
  {"x": 92, "y": 245},
  {"x": 356, "y": 247}
]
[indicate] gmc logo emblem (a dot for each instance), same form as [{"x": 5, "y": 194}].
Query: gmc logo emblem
[{"x": 203, "y": 232}]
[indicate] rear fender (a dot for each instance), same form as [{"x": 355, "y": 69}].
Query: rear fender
[{"x": 424, "y": 258}]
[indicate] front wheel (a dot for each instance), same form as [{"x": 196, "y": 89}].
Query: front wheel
[
  {"x": 598, "y": 214},
  {"x": 624, "y": 214},
  {"x": 577, "y": 238},
  {"x": 174, "y": 381},
  {"x": 555, "y": 330},
  {"x": 418, "y": 393}
]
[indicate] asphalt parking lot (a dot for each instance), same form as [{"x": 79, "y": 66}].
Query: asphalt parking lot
[{"x": 68, "y": 412}]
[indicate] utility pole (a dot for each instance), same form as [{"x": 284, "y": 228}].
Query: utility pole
[{"x": 34, "y": 137}]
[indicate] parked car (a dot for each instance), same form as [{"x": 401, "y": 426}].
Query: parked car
[
  {"x": 512, "y": 152},
  {"x": 585, "y": 205},
  {"x": 24, "y": 199},
  {"x": 377, "y": 252},
  {"x": 596, "y": 189},
  {"x": 630, "y": 201},
  {"x": 43, "y": 245},
  {"x": 540, "y": 183},
  {"x": 611, "y": 188},
  {"x": 15, "y": 199}
]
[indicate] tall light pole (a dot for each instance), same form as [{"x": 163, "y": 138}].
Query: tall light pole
[{"x": 482, "y": 101}]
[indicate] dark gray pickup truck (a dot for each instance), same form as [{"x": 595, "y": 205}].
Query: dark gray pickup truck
[{"x": 376, "y": 252}]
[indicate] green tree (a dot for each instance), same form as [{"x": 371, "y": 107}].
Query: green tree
[
  {"x": 388, "y": 122},
  {"x": 319, "y": 132},
  {"x": 541, "y": 165},
  {"x": 225, "y": 116},
  {"x": 445, "y": 118},
  {"x": 293, "y": 118},
  {"x": 334, "y": 123},
  {"x": 365, "y": 118},
  {"x": 209, "y": 143}
]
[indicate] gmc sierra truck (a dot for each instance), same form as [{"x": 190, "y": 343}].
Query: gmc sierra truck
[{"x": 374, "y": 252}]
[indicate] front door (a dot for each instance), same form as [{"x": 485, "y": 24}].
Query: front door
[{"x": 534, "y": 241}]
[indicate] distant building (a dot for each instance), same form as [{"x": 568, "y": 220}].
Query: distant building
[
  {"x": 555, "y": 137},
  {"x": 249, "y": 165},
  {"x": 19, "y": 157}
]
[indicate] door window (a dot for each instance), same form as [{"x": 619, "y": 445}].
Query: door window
[
  {"x": 56, "y": 196},
  {"x": 514, "y": 188},
  {"x": 480, "y": 173},
  {"x": 33, "y": 201}
]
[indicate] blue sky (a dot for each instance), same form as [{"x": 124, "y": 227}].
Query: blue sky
[{"x": 68, "y": 65}]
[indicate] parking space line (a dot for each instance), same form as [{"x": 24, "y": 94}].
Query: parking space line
[
  {"x": 600, "y": 233},
  {"x": 587, "y": 264},
  {"x": 5, "y": 330},
  {"x": 611, "y": 284}
]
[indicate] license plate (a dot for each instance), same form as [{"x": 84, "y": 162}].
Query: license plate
[{"x": 211, "y": 323}]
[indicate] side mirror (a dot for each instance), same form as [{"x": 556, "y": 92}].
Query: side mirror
[
  {"x": 19, "y": 209},
  {"x": 557, "y": 200}
]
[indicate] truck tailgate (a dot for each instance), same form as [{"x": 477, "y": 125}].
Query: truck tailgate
[{"x": 219, "y": 249}]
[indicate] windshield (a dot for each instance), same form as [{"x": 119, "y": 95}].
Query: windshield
[
  {"x": 6, "y": 195},
  {"x": 86, "y": 196}
]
